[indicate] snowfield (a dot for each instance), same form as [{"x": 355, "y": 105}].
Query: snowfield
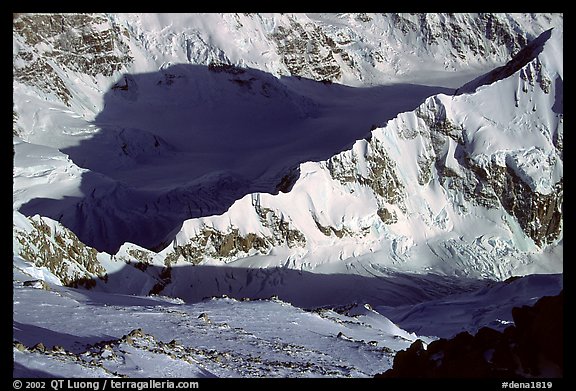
[
  {"x": 216, "y": 337},
  {"x": 278, "y": 195},
  {"x": 95, "y": 334}
]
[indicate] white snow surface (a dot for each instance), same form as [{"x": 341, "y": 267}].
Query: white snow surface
[
  {"x": 225, "y": 337},
  {"x": 188, "y": 142},
  {"x": 381, "y": 51}
]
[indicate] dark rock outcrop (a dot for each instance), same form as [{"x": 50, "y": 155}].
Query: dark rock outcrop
[
  {"x": 227, "y": 244},
  {"x": 533, "y": 347}
]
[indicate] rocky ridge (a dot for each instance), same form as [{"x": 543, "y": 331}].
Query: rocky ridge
[
  {"x": 95, "y": 48},
  {"x": 47, "y": 244},
  {"x": 531, "y": 348},
  {"x": 52, "y": 45}
]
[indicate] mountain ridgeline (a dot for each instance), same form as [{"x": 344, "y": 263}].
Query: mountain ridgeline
[
  {"x": 437, "y": 176},
  {"x": 301, "y": 141}
]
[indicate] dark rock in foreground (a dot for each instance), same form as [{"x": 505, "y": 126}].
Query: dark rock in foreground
[{"x": 533, "y": 347}]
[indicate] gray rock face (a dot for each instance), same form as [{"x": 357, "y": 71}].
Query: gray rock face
[
  {"x": 493, "y": 185},
  {"x": 53, "y": 43},
  {"x": 224, "y": 245},
  {"x": 308, "y": 52},
  {"x": 482, "y": 35},
  {"x": 539, "y": 215},
  {"x": 48, "y": 46},
  {"x": 320, "y": 52},
  {"x": 60, "y": 251}
]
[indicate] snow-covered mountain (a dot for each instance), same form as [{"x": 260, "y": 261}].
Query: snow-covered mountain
[
  {"x": 395, "y": 160},
  {"x": 72, "y": 333},
  {"x": 467, "y": 184},
  {"x": 128, "y": 69}
]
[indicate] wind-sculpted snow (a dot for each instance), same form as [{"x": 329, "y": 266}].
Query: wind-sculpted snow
[
  {"x": 215, "y": 337},
  {"x": 55, "y": 332}
]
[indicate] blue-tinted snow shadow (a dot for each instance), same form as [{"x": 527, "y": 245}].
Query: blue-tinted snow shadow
[
  {"x": 301, "y": 288},
  {"x": 558, "y": 106},
  {"x": 189, "y": 140},
  {"x": 489, "y": 306},
  {"x": 21, "y": 371},
  {"x": 30, "y": 335},
  {"x": 521, "y": 59},
  {"x": 428, "y": 304}
]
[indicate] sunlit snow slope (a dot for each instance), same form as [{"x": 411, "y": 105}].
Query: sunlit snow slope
[{"x": 70, "y": 333}]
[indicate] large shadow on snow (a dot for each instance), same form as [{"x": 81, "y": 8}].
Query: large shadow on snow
[
  {"x": 430, "y": 304},
  {"x": 189, "y": 140},
  {"x": 301, "y": 288},
  {"x": 30, "y": 335}
]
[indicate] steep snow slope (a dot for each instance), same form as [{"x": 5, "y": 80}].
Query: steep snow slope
[
  {"x": 350, "y": 48},
  {"x": 125, "y": 126},
  {"x": 66, "y": 62},
  {"x": 188, "y": 141},
  {"x": 46, "y": 250},
  {"x": 467, "y": 184}
]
